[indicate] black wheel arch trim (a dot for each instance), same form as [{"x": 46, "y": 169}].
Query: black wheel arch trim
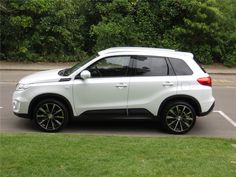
[
  {"x": 191, "y": 100},
  {"x": 56, "y": 96}
]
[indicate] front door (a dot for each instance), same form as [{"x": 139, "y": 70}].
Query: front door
[{"x": 107, "y": 89}]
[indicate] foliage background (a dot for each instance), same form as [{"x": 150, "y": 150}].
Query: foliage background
[{"x": 70, "y": 30}]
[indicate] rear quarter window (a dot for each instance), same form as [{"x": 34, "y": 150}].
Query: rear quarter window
[{"x": 180, "y": 67}]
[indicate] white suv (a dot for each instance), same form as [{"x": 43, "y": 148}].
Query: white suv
[{"x": 122, "y": 81}]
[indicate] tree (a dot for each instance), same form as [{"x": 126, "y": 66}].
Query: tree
[
  {"x": 70, "y": 29},
  {"x": 41, "y": 29}
]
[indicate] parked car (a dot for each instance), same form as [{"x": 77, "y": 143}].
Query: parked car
[{"x": 161, "y": 84}]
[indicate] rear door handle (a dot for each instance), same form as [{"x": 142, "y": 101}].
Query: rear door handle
[
  {"x": 121, "y": 85},
  {"x": 168, "y": 84}
]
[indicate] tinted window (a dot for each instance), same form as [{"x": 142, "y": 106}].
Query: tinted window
[
  {"x": 180, "y": 67},
  {"x": 150, "y": 66},
  {"x": 110, "y": 67}
]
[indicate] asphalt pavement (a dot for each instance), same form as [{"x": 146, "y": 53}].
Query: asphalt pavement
[{"x": 220, "y": 123}]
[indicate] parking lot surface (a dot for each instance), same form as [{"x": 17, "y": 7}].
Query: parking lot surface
[{"x": 220, "y": 123}]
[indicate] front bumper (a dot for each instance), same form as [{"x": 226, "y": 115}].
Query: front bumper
[
  {"x": 20, "y": 104},
  {"x": 22, "y": 115}
]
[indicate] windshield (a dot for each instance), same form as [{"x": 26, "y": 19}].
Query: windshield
[{"x": 69, "y": 71}]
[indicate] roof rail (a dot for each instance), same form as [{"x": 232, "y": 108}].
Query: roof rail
[{"x": 132, "y": 49}]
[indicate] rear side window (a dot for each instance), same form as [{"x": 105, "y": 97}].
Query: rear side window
[
  {"x": 150, "y": 66},
  {"x": 180, "y": 67}
]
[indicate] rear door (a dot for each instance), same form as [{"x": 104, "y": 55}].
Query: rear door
[
  {"x": 153, "y": 80},
  {"x": 184, "y": 75}
]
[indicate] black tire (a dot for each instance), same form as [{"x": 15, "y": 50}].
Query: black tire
[
  {"x": 178, "y": 117},
  {"x": 50, "y": 115}
]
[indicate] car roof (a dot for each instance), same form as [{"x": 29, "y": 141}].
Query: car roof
[{"x": 145, "y": 51}]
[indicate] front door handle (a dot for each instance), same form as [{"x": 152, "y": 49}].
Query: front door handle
[
  {"x": 121, "y": 85},
  {"x": 168, "y": 84}
]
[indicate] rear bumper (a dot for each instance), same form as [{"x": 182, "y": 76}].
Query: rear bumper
[{"x": 207, "y": 112}]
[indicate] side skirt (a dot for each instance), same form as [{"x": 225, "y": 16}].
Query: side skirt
[{"x": 137, "y": 113}]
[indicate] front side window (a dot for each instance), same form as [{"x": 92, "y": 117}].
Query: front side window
[
  {"x": 150, "y": 66},
  {"x": 116, "y": 66}
]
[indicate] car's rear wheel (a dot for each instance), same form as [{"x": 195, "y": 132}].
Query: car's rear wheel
[
  {"x": 178, "y": 117},
  {"x": 50, "y": 115}
]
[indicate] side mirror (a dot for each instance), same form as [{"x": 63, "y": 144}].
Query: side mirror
[{"x": 85, "y": 74}]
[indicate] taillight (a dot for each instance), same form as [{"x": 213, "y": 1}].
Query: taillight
[{"x": 205, "y": 81}]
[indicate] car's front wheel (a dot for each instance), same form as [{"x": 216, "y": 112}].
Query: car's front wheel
[
  {"x": 178, "y": 117},
  {"x": 50, "y": 115}
]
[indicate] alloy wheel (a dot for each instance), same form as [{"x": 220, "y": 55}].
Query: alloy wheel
[
  {"x": 50, "y": 116},
  {"x": 179, "y": 118}
]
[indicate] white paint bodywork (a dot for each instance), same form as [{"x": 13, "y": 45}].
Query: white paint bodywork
[{"x": 119, "y": 92}]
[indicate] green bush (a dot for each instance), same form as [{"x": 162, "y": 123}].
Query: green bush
[
  {"x": 230, "y": 59},
  {"x": 59, "y": 30},
  {"x": 48, "y": 29}
]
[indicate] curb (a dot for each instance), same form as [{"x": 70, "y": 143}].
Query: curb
[
  {"x": 17, "y": 69},
  {"x": 220, "y": 73}
]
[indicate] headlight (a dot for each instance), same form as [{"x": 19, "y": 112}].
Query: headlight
[{"x": 20, "y": 87}]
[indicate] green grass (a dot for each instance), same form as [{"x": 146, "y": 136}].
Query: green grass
[{"x": 25, "y": 155}]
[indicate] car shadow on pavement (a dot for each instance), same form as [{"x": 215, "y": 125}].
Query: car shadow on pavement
[
  {"x": 93, "y": 126},
  {"x": 114, "y": 126}
]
